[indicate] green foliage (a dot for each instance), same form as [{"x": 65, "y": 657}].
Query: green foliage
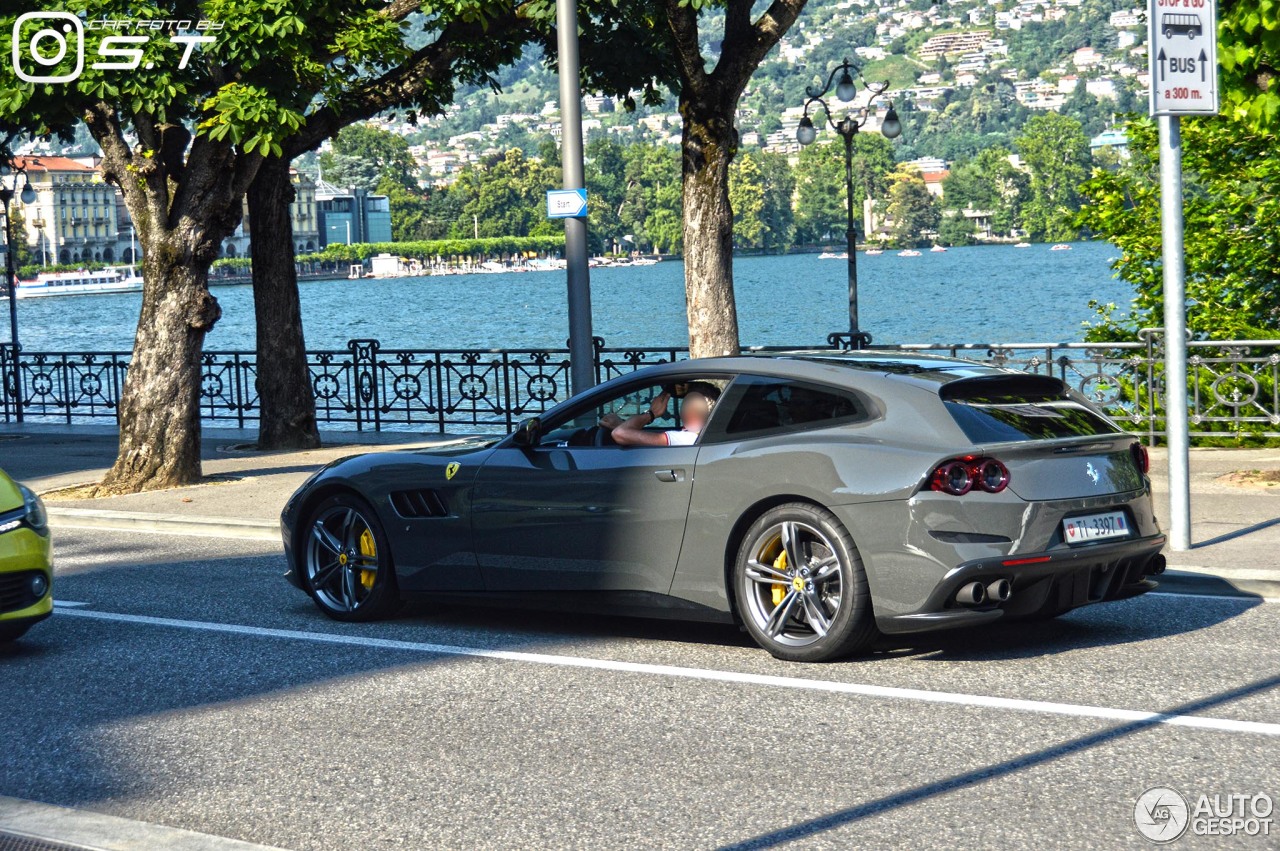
[
  {"x": 760, "y": 190},
  {"x": 777, "y": 214},
  {"x": 912, "y": 210},
  {"x": 29, "y": 271},
  {"x": 1249, "y": 55},
  {"x": 1232, "y": 248},
  {"x": 635, "y": 192},
  {"x": 505, "y": 196},
  {"x": 990, "y": 183},
  {"x": 364, "y": 155},
  {"x": 820, "y": 207},
  {"x": 440, "y": 248},
  {"x": 23, "y": 254},
  {"x": 821, "y": 212},
  {"x": 1056, "y": 153}
]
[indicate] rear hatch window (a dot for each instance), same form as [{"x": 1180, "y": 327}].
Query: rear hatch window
[{"x": 1002, "y": 409}]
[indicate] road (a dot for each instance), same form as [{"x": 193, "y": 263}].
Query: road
[{"x": 194, "y": 688}]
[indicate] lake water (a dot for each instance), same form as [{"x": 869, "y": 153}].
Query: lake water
[{"x": 976, "y": 294}]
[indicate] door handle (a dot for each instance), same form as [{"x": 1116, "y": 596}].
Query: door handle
[{"x": 669, "y": 475}]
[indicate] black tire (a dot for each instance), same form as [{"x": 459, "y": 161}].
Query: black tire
[
  {"x": 337, "y": 577},
  {"x": 830, "y": 578},
  {"x": 13, "y": 631}
]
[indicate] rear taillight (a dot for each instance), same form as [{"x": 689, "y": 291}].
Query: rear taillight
[
  {"x": 961, "y": 475},
  {"x": 1140, "y": 457}
]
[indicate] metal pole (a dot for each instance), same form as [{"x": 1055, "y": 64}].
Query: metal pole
[
  {"x": 581, "y": 350},
  {"x": 11, "y": 284},
  {"x": 1175, "y": 333},
  {"x": 851, "y": 236}
]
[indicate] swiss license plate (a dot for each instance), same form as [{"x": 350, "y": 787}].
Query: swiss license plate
[{"x": 1094, "y": 527}]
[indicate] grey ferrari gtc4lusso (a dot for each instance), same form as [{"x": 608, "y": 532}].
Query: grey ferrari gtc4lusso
[{"x": 827, "y": 499}]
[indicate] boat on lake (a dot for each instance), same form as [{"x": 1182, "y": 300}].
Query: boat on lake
[
  {"x": 937, "y": 249},
  {"x": 114, "y": 279},
  {"x": 832, "y": 255},
  {"x": 909, "y": 252},
  {"x": 1061, "y": 246}
]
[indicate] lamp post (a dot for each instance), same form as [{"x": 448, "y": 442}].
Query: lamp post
[
  {"x": 9, "y": 167},
  {"x": 848, "y": 126}
]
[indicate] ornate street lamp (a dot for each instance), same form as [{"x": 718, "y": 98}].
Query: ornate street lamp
[
  {"x": 848, "y": 127},
  {"x": 10, "y": 168}
]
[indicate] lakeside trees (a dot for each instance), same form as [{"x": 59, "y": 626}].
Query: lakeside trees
[
  {"x": 661, "y": 46},
  {"x": 187, "y": 124},
  {"x": 1232, "y": 247}
]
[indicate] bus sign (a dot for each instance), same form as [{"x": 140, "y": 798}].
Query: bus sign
[{"x": 1183, "y": 52}]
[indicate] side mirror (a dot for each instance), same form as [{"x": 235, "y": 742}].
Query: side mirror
[{"x": 528, "y": 432}]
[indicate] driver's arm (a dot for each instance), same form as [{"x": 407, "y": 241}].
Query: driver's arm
[{"x": 632, "y": 433}]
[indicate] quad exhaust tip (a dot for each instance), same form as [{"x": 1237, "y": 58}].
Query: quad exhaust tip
[
  {"x": 976, "y": 593},
  {"x": 973, "y": 594},
  {"x": 1156, "y": 566}
]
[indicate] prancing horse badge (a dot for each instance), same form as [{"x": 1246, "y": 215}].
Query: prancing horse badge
[{"x": 452, "y": 469}]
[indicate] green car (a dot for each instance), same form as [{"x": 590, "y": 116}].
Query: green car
[{"x": 26, "y": 571}]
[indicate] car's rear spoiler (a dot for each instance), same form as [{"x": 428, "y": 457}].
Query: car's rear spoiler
[{"x": 1021, "y": 387}]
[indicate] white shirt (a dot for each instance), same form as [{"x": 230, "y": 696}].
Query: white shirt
[{"x": 684, "y": 437}]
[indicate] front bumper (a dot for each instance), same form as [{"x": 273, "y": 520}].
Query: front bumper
[
  {"x": 24, "y": 555},
  {"x": 1059, "y": 579}
]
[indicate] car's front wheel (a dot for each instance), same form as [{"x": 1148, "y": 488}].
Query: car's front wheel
[
  {"x": 347, "y": 561},
  {"x": 801, "y": 590}
]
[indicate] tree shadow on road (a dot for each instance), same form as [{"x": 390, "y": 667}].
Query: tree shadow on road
[{"x": 812, "y": 827}]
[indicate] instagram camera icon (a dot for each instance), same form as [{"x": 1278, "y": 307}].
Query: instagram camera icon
[{"x": 48, "y": 46}]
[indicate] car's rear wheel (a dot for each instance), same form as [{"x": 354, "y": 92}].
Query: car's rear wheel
[
  {"x": 800, "y": 587},
  {"x": 347, "y": 561}
]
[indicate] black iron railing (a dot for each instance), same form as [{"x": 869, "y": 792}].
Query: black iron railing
[{"x": 1235, "y": 385}]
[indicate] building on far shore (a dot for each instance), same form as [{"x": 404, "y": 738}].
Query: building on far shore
[
  {"x": 346, "y": 216},
  {"x": 73, "y": 219}
]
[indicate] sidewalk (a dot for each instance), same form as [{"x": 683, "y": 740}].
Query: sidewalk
[
  {"x": 1235, "y": 529},
  {"x": 243, "y": 498}
]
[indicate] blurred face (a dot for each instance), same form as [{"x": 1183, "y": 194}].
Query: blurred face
[{"x": 695, "y": 411}]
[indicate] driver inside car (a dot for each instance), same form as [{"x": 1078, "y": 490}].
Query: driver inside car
[{"x": 696, "y": 408}]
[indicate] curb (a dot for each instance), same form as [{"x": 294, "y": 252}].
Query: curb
[
  {"x": 35, "y": 825},
  {"x": 1200, "y": 581},
  {"x": 169, "y": 524}
]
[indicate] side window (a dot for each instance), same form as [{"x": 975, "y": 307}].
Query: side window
[
  {"x": 581, "y": 426},
  {"x": 766, "y": 405}
]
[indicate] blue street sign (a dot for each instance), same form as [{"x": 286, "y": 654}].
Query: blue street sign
[{"x": 566, "y": 203}]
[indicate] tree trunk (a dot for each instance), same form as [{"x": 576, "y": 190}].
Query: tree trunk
[
  {"x": 287, "y": 404},
  {"x": 160, "y": 402},
  {"x": 709, "y": 144}
]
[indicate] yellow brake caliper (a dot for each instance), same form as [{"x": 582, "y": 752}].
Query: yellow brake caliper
[
  {"x": 779, "y": 590},
  {"x": 370, "y": 550}
]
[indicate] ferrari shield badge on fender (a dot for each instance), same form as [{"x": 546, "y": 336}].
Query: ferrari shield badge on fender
[{"x": 452, "y": 469}]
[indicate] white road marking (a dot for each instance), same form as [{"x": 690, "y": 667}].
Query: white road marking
[
  {"x": 888, "y": 692},
  {"x": 1239, "y": 598},
  {"x": 69, "y": 604}
]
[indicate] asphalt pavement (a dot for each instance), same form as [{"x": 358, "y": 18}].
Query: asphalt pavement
[
  {"x": 184, "y": 694},
  {"x": 183, "y": 684}
]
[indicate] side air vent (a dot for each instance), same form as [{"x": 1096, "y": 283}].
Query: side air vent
[{"x": 419, "y": 503}]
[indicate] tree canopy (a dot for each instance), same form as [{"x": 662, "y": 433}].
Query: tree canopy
[{"x": 1232, "y": 247}]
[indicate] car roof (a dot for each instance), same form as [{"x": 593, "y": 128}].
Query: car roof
[{"x": 830, "y": 365}]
